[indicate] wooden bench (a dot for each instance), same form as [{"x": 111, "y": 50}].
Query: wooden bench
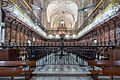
[
  {"x": 106, "y": 72},
  {"x": 17, "y": 63},
  {"x": 109, "y": 68},
  {"x": 104, "y": 64},
  {"x": 17, "y": 67},
  {"x": 10, "y": 72},
  {"x": 111, "y": 71}
]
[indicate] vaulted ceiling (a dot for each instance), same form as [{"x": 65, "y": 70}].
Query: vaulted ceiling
[
  {"x": 63, "y": 10},
  {"x": 58, "y": 10},
  {"x": 69, "y": 16},
  {"x": 51, "y": 18},
  {"x": 68, "y": 12}
]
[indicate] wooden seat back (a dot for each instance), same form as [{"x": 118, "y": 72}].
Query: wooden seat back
[
  {"x": 104, "y": 63},
  {"x": 111, "y": 72},
  {"x": 17, "y": 63},
  {"x": 10, "y": 71},
  {"x": 106, "y": 72},
  {"x": 13, "y": 68},
  {"x": 116, "y": 63}
]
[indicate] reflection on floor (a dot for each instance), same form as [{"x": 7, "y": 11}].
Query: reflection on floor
[
  {"x": 65, "y": 68},
  {"x": 61, "y": 78},
  {"x": 72, "y": 69}
]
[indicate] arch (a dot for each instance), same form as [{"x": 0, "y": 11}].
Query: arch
[
  {"x": 67, "y": 5},
  {"x": 66, "y": 10}
]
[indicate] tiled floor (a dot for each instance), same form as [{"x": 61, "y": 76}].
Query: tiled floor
[
  {"x": 60, "y": 71},
  {"x": 61, "y": 78}
]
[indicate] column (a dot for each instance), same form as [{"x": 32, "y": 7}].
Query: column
[
  {"x": 2, "y": 34},
  {"x": 0, "y": 22},
  {"x": 2, "y": 25}
]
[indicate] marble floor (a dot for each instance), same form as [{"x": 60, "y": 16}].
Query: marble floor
[
  {"x": 62, "y": 69},
  {"x": 55, "y": 70},
  {"x": 61, "y": 78},
  {"x": 61, "y": 72}
]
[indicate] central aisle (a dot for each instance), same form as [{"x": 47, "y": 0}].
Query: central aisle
[
  {"x": 61, "y": 72},
  {"x": 68, "y": 70},
  {"x": 64, "y": 68},
  {"x": 61, "y": 78}
]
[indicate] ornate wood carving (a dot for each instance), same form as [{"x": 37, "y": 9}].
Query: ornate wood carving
[
  {"x": 112, "y": 33},
  {"x": 117, "y": 30},
  {"x": 13, "y": 31},
  {"x": 22, "y": 34},
  {"x": 8, "y": 22},
  {"x": 18, "y": 33}
]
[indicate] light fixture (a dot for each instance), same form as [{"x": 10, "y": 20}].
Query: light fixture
[
  {"x": 29, "y": 42},
  {"x": 33, "y": 39},
  {"x": 74, "y": 36},
  {"x": 95, "y": 41},
  {"x": 62, "y": 21},
  {"x": 67, "y": 36},
  {"x": 57, "y": 36},
  {"x": 50, "y": 36}
]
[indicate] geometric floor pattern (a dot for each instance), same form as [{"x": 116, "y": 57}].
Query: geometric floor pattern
[
  {"x": 62, "y": 78},
  {"x": 62, "y": 69},
  {"x": 59, "y": 70}
]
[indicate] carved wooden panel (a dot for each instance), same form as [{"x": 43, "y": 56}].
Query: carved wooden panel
[
  {"x": 7, "y": 34},
  {"x": 22, "y": 35},
  {"x": 13, "y": 31},
  {"x": 18, "y": 33},
  {"x": 112, "y": 32},
  {"x": 98, "y": 37},
  {"x": 117, "y": 19},
  {"x": 106, "y": 35},
  {"x": 24, "y": 29},
  {"x": 118, "y": 35},
  {"x": 8, "y": 22},
  {"x": 112, "y": 36},
  {"x": 29, "y": 34},
  {"x": 102, "y": 36},
  {"x": 26, "y": 36}
]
